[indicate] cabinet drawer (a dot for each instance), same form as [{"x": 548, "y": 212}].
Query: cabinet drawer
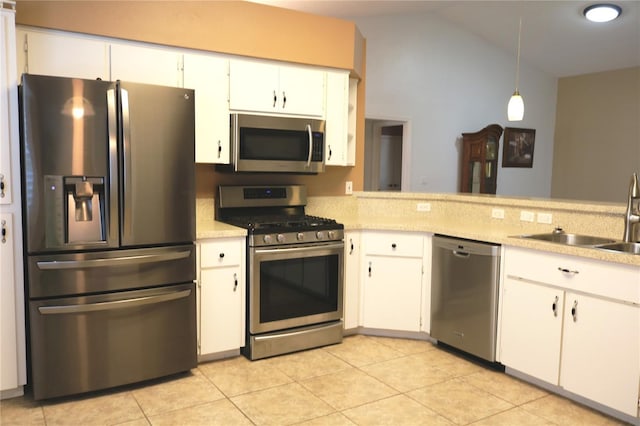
[
  {"x": 612, "y": 280},
  {"x": 392, "y": 244},
  {"x": 223, "y": 252}
]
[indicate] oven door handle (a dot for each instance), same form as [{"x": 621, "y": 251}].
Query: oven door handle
[
  {"x": 117, "y": 304},
  {"x": 300, "y": 249}
]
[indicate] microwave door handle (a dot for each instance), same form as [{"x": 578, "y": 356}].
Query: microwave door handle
[{"x": 310, "y": 144}]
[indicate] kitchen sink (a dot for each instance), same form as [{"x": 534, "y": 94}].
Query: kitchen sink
[
  {"x": 570, "y": 239},
  {"x": 621, "y": 247}
]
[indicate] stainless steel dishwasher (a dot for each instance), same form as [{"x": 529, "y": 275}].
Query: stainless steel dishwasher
[{"x": 464, "y": 295}]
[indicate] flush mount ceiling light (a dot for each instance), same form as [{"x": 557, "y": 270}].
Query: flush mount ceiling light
[
  {"x": 515, "y": 108},
  {"x": 603, "y": 12}
]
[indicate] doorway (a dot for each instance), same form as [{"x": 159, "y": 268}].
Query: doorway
[{"x": 385, "y": 148}]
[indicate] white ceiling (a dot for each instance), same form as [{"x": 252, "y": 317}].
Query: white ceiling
[{"x": 555, "y": 36}]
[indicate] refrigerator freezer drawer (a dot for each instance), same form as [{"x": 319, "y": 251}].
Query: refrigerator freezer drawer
[
  {"x": 99, "y": 272},
  {"x": 82, "y": 344}
]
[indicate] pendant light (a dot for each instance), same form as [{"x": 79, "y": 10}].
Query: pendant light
[{"x": 515, "y": 109}]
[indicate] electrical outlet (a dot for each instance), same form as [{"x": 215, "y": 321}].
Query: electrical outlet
[
  {"x": 424, "y": 207},
  {"x": 545, "y": 218},
  {"x": 526, "y": 216},
  {"x": 497, "y": 213},
  {"x": 348, "y": 187}
]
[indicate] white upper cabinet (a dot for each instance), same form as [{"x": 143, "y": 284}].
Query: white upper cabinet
[
  {"x": 337, "y": 118},
  {"x": 208, "y": 75},
  {"x": 141, "y": 64},
  {"x": 269, "y": 88},
  {"x": 63, "y": 55}
]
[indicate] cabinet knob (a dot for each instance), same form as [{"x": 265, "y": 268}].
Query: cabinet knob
[
  {"x": 221, "y": 255},
  {"x": 275, "y": 98},
  {"x": 393, "y": 246},
  {"x": 568, "y": 271},
  {"x": 1, "y": 186},
  {"x": 369, "y": 268},
  {"x": 4, "y": 231},
  {"x": 219, "y": 148},
  {"x": 235, "y": 282},
  {"x": 351, "y": 249},
  {"x": 574, "y": 311},
  {"x": 330, "y": 152},
  {"x": 554, "y": 307},
  {"x": 284, "y": 99}
]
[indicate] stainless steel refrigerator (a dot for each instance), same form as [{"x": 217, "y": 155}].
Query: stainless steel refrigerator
[{"x": 109, "y": 221}]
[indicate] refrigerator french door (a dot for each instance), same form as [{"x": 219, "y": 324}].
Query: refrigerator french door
[{"x": 109, "y": 203}]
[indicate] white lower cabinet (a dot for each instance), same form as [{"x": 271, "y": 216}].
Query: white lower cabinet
[
  {"x": 574, "y": 323},
  {"x": 391, "y": 279},
  {"x": 351, "y": 301},
  {"x": 531, "y": 329},
  {"x": 221, "y": 296},
  {"x": 601, "y": 351}
]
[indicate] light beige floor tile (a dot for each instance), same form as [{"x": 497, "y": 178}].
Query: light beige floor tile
[
  {"x": 21, "y": 410},
  {"x": 397, "y": 410},
  {"x": 514, "y": 417},
  {"x": 335, "y": 419},
  {"x": 506, "y": 387},
  {"x": 221, "y": 412},
  {"x": 565, "y": 412},
  {"x": 282, "y": 405},
  {"x": 459, "y": 401},
  {"x": 107, "y": 409},
  {"x": 362, "y": 350},
  {"x": 407, "y": 373},
  {"x": 452, "y": 363},
  {"x": 306, "y": 364},
  {"x": 176, "y": 393},
  {"x": 348, "y": 388},
  {"x": 138, "y": 422},
  {"x": 405, "y": 346},
  {"x": 239, "y": 375}
]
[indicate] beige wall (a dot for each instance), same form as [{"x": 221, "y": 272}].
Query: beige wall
[
  {"x": 597, "y": 135},
  {"x": 233, "y": 27}
]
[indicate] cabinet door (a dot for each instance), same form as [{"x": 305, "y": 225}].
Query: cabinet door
[
  {"x": 209, "y": 77},
  {"x": 600, "y": 351},
  {"x": 302, "y": 91},
  {"x": 253, "y": 86},
  {"x": 351, "y": 280},
  {"x": 392, "y": 292},
  {"x": 62, "y": 55},
  {"x": 8, "y": 355},
  {"x": 148, "y": 65},
  {"x": 337, "y": 111},
  {"x": 531, "y": 329},
  {"x": 221, "y": 298}
]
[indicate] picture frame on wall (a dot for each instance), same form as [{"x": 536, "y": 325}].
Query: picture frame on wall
[{"x": 518, "y": 147}]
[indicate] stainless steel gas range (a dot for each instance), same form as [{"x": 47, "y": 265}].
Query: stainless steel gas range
[{"x": 294, "y": 269}]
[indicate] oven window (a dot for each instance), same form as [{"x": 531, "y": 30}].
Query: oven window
[{"x": 293, "y": 288}]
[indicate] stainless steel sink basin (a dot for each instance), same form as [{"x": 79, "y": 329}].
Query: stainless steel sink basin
[
  {"x": 570, "y": 239},
  {"x": 621, "y": 247}
]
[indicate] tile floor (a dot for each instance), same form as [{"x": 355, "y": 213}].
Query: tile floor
[{"x": 363, "y": 381}]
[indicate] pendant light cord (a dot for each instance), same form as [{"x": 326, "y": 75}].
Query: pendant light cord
[{"x": 518, "y": 57}]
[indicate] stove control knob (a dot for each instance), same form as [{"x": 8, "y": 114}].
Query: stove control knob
[
  {"x": 267, "y": 239},
  {"x": 280, "y": 238},
  {"x": 300, "y": 236},
  {"x": 332, "y": 235},
  {"x": 319, "y": 235}
]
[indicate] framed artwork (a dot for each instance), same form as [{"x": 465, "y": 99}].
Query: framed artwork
[{"x": 518, "y": 147}]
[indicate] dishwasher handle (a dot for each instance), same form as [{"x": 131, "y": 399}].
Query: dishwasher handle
[{"x": 461, "y": 254}]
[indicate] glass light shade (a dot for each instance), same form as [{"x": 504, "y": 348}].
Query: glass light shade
[
  {"x": 602, "y": 12},
  {"x": 515, "y": 109}
]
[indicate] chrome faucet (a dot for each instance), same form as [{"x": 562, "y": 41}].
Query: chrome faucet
[{"x": 632, "y": 216}]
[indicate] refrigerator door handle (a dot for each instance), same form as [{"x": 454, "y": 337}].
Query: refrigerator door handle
[
  {"x": 127, "y": 199},
  {"x": 118, "y": 304},
  {"x": 114, "y": 261}
]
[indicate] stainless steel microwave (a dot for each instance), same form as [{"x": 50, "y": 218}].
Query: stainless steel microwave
[{"x": 262, "y": 143}]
